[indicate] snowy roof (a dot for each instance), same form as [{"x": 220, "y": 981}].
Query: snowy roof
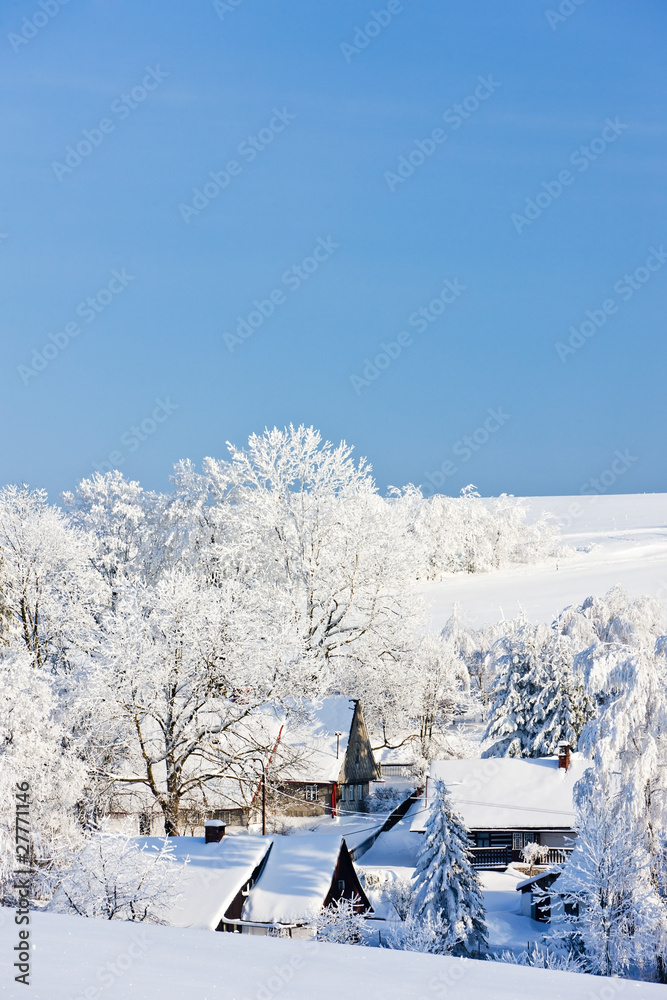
[
  {"x": 395, "y": 755},
  {"x": 213, "y": 876},
  {"x": 309, "y": 733},
  {"x": 504, "y": 793},
  {"x": 295, "y": 880},
  {"x": 537, "y": 878}
]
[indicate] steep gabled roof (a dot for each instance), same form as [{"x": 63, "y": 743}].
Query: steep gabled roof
[
  {"x": 212, "y": 877},
  {"x": 296, "y": 879}
]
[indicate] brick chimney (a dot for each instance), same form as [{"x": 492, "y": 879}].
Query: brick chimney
[
  {"x": 214, "y": 831},
  {"x": 564, "y": 755}
]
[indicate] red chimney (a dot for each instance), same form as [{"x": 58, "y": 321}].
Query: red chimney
[
  {"x": 214, "y": 831},
  {"x": 564, "y": 755}
]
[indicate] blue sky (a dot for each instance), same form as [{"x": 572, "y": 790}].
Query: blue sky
[{"x": 305, "y": 121}]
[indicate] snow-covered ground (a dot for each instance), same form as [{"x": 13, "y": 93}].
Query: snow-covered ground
[
  {"x": 78, "y": 959},
  {"x": 626, "y": 538},
  {"x": 508, "y": 929}
]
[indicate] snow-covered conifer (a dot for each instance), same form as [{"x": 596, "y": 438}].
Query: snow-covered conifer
[
  {"x": 446, "y": 884},
  {"x": 520, "y": 677}
]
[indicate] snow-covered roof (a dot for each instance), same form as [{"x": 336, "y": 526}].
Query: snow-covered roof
[
  {"x": 505, "y": 793},
  {"x": 309, "y": 733},
  {"x": 399, "y": 755},
  {"x": 213, "y": 876},
  {"x": 537, "y": 878},
  {"x": 295, "y": 880}
]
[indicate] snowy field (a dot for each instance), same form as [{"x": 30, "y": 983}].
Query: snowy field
[
  {"x": 77, "y": 959},
  {"x": 626, "y": 539}
]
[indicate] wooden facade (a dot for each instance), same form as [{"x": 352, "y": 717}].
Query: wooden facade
[
  {"x": 493, "y": 849},
  {"x": 345, "y": 793}
]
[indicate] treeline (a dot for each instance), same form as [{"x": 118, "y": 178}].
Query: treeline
[{"x": 141, "y": 632}]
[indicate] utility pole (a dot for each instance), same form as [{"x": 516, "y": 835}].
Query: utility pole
[
  {"x": 263, "y": 766},
  {"x": 263, "y": 799}
]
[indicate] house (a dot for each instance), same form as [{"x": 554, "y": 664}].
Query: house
[
  {"x": 325, "y": 759},
  {"x": 539, "y": 900},
  {"x": 302, "y": 874},
  {"x": 245, "y": 883},
  {"x": 507, "y": 803},
  {"x": 318, "y": 759}
]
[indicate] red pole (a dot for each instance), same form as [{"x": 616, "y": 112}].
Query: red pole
[{"x": 333, "y": 800}]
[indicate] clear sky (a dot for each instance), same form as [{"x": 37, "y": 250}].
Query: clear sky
[{"x": 362, "y": 161}]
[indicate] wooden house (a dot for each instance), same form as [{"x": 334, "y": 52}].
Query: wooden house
[
  {"x": 507, "y": 803},
  {"x": 332, "y": 764},
  {"x": 539, "y": 900},
  {"x": 301, "y": 875}
]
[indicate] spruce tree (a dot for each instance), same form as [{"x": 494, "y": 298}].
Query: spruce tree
[
  {"x": 562, "y": 707},
  {"x": 447, "y": 887},
  {"x": 519, "y": 663}
]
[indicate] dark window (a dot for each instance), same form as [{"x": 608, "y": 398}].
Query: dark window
[
  {"x": 341, "y": 885},
  {"x": 483, "y": 839}
]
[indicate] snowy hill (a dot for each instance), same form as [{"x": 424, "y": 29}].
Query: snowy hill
[
  {"x": 626, "y": 539},
  {"x": 77, "y": 958}
]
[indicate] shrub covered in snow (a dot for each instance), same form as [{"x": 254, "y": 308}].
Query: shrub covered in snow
[
  {"x": 429, "y": 934},
  {"x": 542, "y": 957},
  {"x": 341, "y": 923},
  {"x": 114, "y": 879}
]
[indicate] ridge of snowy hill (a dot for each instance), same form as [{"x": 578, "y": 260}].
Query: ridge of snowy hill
[
  {"x": 619, "y": 539},
  {"x": 79, "y": 959}
]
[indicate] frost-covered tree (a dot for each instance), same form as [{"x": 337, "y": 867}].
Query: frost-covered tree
[
  {"x": 619, "y": 921},
  {"x": 533, "y": 854},
  {"x": 307, "y": 521},
  {"x": 539, "y": 693},
  {"x": 446, "y": 884},
  {"x": 49, "y": 591},
  {"x": 436, "y": 686},
  {"x": 36, "y": 747},
  {"x": 519, "y": 668},
  {"x": 183, "y": 670},
  {"x": 562, "y": 706},
  {"x": 114, "y": 878},
  {"x": 541, "y": 956},
  {"x": 400, "y": 894},
  {"x": 470, "y": 534}
]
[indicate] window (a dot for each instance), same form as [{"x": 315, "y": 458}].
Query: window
[
  {"x": 341, "y": 885},
  {"x": 342, "y": 793},
  {"x": 311, "y": 793},
  {"x": 483, "y": 839},
  {"x": 519, "y": 840}
]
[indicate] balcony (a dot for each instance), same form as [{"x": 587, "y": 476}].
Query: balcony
[{"x": 501, "y": 857}]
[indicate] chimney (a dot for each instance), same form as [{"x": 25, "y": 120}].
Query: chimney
[
  {"x": 214, "y": 831},
  {"x": 564, "y": 755}
]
